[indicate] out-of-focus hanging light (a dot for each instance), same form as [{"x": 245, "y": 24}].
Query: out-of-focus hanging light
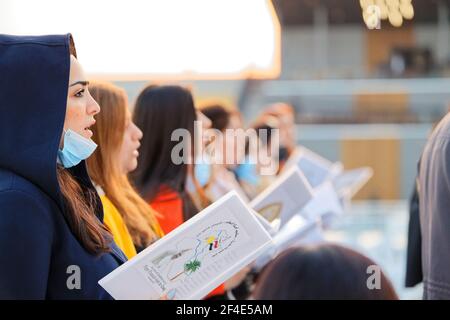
[
  {"x": 373, "y": 11},
  {"x": 407, "y": 9}
]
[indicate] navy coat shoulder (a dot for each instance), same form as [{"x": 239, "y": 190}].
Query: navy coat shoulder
[{"x": 40, "y": 254}]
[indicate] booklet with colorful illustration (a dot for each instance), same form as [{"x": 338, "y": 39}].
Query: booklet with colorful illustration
[
  {"x": 196, "y": 257},
  {"x": 284, "y": 197}
]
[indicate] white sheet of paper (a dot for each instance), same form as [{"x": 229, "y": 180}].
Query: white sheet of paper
[
  {"x": 348, "y": 183},
  {"x": 271, "y": 229},
  {"x": 284, "y": 197},
  {"x": 291, "y": 234},
  {"x": 325, "y": 201},
  {"x": 316, "y": 168},
  {"x": 293, "y": 231},
  {"x": 195, "y": 258},
  {"x": 312, "y": 237}
]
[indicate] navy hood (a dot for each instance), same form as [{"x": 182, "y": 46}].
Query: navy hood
[{"x": 34, "y": 76}]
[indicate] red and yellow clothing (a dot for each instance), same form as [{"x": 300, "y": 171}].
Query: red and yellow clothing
[
  {"x": 114, "y": 221},
  {"x": 169, "y": 205}
]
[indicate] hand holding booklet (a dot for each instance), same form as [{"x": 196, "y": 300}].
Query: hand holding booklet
[{"x": 195, "y": 258}]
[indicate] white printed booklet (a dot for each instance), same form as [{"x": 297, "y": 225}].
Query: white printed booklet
[{"x": 195, "y": 258}]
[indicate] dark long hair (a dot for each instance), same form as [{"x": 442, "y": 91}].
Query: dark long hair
[
  {"x": 81, "y": 206},
  {"x": 219, "y": 116},
  {"x": 160, "y": 110},
  {"x": 321, "y": 272}
]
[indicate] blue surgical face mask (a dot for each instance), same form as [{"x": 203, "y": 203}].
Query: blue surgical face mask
[
  {"x": 202, "y": 173},
  {"x": 76, "y": 148},
  {"x": 248, "y": 172}
]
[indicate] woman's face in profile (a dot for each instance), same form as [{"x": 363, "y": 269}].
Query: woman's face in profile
[
  {"x": 81, "y": 107},
  {"x": 128, "y": 152}
]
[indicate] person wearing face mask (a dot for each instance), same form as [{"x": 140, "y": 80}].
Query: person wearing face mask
[
  {"x": 217, "y": 179},
  {"x": 221, "y": 176},
  {"x": 248, "y": 172},
  {"x": 158, "y": 178},
  {"x": 200, "y": 174},
  {"x": 285, "y": 114},
  {"x": 53, "y": 242},
  {"x": 161, "y": 181},
  {"x": 130, "y": 219}
]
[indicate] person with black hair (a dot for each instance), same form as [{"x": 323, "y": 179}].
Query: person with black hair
[{"x": 321, "y": 272}]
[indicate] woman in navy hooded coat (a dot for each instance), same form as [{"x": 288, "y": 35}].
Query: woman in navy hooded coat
[{"x": 52, "y": 240}]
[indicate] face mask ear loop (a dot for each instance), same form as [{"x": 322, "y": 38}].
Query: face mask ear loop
[
  {"x": 63, "y": 138},
  {"x": 58, "y": 160}
]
